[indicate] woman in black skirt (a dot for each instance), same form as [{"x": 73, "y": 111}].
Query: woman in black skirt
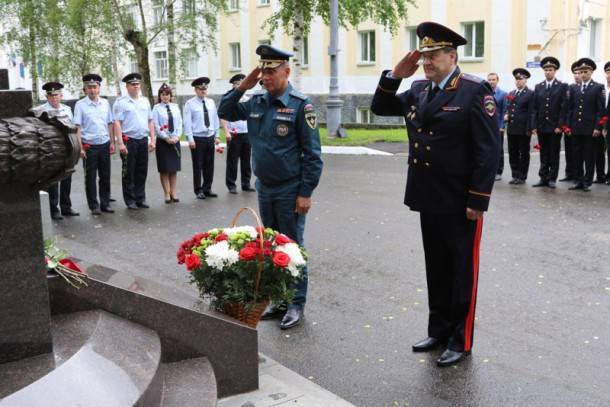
[{"x": 168, "y": 126}]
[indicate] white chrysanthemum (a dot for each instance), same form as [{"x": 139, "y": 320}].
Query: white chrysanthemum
[
  {"x": 250, "y": 230},
  {"x": 220, "y": 255},
  {"x": 296, "y": 257}
]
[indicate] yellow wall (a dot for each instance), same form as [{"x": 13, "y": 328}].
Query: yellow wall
[
  {"x": 518, "y": 52},
  {"x": 462, "y": 11}
]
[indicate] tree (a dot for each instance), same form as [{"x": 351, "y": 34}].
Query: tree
[
  {"x": 295, "y": 17},
  {"x": 195, "y": 27}
]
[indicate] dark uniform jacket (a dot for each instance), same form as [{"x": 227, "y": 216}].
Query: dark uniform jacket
[
  {"x": 549, "y": 106},
  {"x": 453, "y": 141},
  {"x": 284, "y": 136},
  {"x": 519, "y": 109},
  {"x": 586, "y": 110}
]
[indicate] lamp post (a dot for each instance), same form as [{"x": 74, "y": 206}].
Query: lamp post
[{"x": 334, "y": 103}]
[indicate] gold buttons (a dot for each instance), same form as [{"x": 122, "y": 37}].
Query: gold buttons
[
  {"x": 416, "y": 144},
  {"x": 431, "y": 133},
  {"x": 428, "y": 148},
  {"x": 427, "y": 164},
  {"x": 415, "y": 161},
  {"x": 419, "y": 130}
]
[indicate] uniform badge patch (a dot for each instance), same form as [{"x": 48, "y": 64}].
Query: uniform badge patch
[
  {"x": 311, "y": 119},
  {"x": 489, "y": 103},
  {"x": 308, "y": 107},
  {"x": 281, "y": 129}
]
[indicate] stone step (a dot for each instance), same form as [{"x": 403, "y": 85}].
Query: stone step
[
  {"x": 189, "y": 383},
  {"x": 100, "y": 360}
]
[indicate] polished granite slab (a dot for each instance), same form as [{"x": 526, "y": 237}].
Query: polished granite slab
[
  {"x": 185, "y": 325},
  {"x": 25, "y": 324},
  {"x": 101, "y": 360}
]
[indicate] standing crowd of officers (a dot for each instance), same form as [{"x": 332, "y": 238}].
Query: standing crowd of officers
[
  {"x": 553, "y": 109},
  {"x": 134, "y": 129}
]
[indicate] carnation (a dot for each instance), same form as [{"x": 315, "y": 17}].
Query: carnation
[{"x": 220, "y": 255}]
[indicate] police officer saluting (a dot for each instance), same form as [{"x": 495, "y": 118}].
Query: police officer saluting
[
  {"x": 238, "y": 147},
  {"x": 136, "y": 137},
  {"x": 519, "y": 108},
  {"x": 286, "y": 153},
  {"x": 547, "y": 121},
  {"x": 585, "y": 110},
  {"x": 453, "y": 158},
  {"x": 201, "y": 126},
  {"x": 94, "y": 121},
  {"x": 59, "y": 193}
]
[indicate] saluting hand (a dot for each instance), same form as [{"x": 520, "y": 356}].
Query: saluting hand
[
  {"x": 251, "y": 80},
  {"x": 407, "y": 66}
]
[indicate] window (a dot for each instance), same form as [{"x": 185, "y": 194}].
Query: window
[
  {"x": 412, "y": 38},
  {"x": 233, "y": 5},
  {"x": 235, "y": 56},
  {"x": 157, "y": 6},
  {"x": 132, "y": 12},
  {"x": 364, "y": 115},
  {"x": 133, "y": 65},
  {"x": 367, "y": 47},
  {"x": 305, "y": 52},
  {"x": 191, "y": 63},
  {"x": 161, "y": 64},
  {"x": 475, "y": 34},
  {"x": 188, "y": 7},
  {"x": 595, "y": 38},
  {"x": 264, "y": 2}
]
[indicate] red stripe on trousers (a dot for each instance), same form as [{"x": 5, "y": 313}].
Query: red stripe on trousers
[{"x": 469, "y": 328}]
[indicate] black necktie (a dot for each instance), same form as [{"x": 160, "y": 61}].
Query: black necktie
[
  {"x": 584, "y": 86},
  {"x": 433, "y": 92},
  {"x": 206, "y": 116},
  {"x": 170, "y": 119}
]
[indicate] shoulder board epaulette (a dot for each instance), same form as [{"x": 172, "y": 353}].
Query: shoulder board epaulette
[
  {"x": 298, "y": 95},
  {"x": 421, "y": 80},
  {"x": 472, "y": 78}
]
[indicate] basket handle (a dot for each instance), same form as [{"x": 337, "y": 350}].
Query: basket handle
[{"x": 260, "y": 229}]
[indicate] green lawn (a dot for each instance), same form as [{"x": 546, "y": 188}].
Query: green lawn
[{"x": 356, "y": 137}]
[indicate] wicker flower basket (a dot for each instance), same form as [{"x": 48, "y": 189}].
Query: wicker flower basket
[{"x": 251, "y": 317}]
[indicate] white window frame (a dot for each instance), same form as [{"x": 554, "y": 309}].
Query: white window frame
[
  {"x": 233, "y": 6},
  {"x": 161, "y": 65},
  {"x": 305, "y": 52},
  {"x": 364, "y": 115},
  {"x": 365, "y": 49},
  {"x": 472, "y": 57},
  {"x": 133, "y": 65},
  {"x": 264, "y": 3},
  {"x": 235, "y": 55},
  {"x": 157, "y": 10},
  {"x": 412, "y": 39},
  {"x": 595, "y": 38},
  {"x": 191, "y": 64}
]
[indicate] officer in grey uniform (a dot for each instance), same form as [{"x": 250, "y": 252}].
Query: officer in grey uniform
[
  {"x": 286, "y": 155},
  {"x": 59, "y": 193}
]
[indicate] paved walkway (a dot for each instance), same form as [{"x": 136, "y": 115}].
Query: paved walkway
[{"x": 542, "y": 329}]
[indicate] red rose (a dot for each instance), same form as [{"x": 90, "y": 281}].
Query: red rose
[
  {"x": 253, "y": 245},
  {"x": 281, "y": 259},
  {"x": 69, "y": 264},
  {"x": 192, "y": 262},
  {"x": 205, "y": 235},
  {"x": 86, "y": 146},
  {"x": 187, "y": 245},
  {"x": 125, "y": 138},
  {"x": 536, "y": 146},
  {"x": 267, "y": 252},
  {"x": 248, "y": 253},
  {"x": 603, "y": 120},
  {"x": 221, "y": 237},
  {"x": 283, "y": 239},
  {"x": 197, "y": 239},
  {"x": 180, "y": 254}
]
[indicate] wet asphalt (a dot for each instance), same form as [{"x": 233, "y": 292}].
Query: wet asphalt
[{"x": 542, "y": 334}]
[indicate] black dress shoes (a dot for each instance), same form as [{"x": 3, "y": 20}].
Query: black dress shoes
[
  {"x": 142, "y": 205},
  {"x": 248, "y": 189},
  {"x": 552, "y": 184},
  {"x": 293, "y": 317},
  {"x": 56, "y": 216},
  {"x": 112, "y": 199},
  {"x": 95, "y": 212},
  {"x": 232, "y": 190},
  {"x": 576, "y": 186},
  {"x": 200, "y": 195},
  {"x": 513, "y": 181},
  {"x": 132, "y": 206},
  {"x": 451, "y": 357},
  {"x": 174, "y": 199},
  {"x": 273, "y": 312},
  {"x": 70, "y": 212},
  {"x": 210, "y": 194},
  {"x": 519, "y": 181},
  {"x": 540, "y": 183},
  {"x": 107, "y": 209},
  {"x": 586, "y": 188},
  {"x": 566, "y": 179},
  {"x": 427, "y": 344}
]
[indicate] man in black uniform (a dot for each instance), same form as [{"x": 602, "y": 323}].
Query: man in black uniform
[
  {"x": 519, "y": 109},
  {"x": 585, "y": 110},
  {"x": 567, "y": 139},
  {"x": 547, "y": 121},
  {"x": 605, "y": 118},
  {"x": 453, "y": 158}
]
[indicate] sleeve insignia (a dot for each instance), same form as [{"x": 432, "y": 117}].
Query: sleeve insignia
[
  {"x": 311, "y": 119},
  {"x": 489, "y": 103}
]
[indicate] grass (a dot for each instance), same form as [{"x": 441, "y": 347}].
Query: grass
[{"x": 356, "y": 137}]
